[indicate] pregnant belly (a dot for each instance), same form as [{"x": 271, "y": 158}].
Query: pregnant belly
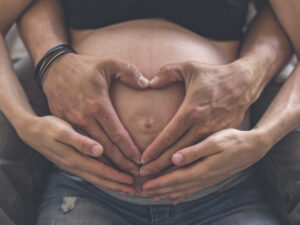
[{"x": 149, "y": 44}]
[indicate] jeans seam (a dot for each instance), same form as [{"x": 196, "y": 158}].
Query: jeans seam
[{"x": 152, "y": 215}]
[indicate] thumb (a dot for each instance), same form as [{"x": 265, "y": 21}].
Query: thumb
[
  {"x": 194, "y": 153},
  {"x": 82, "y": 143},
  {"x": 130, "y": 75},
  {"x": 167, "y": 75}
]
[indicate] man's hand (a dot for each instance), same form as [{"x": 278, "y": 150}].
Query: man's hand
[
  {"x": 215, "y": 159},
  {"x": 217, "y": 97},
  {"x": 77, "y": 89}
]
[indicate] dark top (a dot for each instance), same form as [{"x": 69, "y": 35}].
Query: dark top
[{"x": 217, "y": 19}]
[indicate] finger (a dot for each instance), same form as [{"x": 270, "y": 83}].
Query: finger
[
  {"x": 121, "y": 161},
  {"x": 129, "y": 75},
  {"x": 110, "y": 150},
  {"x": 204, "y": 183},
  {"x": 172, "y": 178},
  {"x": 104, "y": 183},
  {"x": 178, "y": 194},
  {"x": 179, "y": 124},
  {"x": 73, "y": 160},
  {"x": 167, "y": 75},
  {"x": 95, "y": 179},
  {"x": 209, "y": 168},
  {"x": 178, "y": 200},
  {"x": 202, "y": 170},
  {"x": 165, "y": 160},
  {"x": 187, "y": 192},
  {"x": 171, "y": 189},
  {"x": 196, "y": 152},
  {"x": 155, "y": 166},
  {"x": 80, "y": 142},
  {"x": 113, "y": 127}
]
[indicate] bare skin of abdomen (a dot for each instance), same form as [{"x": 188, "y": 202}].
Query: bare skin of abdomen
[{"x": 148, "y": 45}]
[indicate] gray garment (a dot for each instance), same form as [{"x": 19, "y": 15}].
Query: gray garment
[
  {"x": 68, "y": 202},
  {"x": 280, "y": 168},
  {"x": 221, "y": 187},
  {"x": 23, "y": 171}
]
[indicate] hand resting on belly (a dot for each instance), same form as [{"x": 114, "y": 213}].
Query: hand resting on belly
[{"x": 149, "y": 45}]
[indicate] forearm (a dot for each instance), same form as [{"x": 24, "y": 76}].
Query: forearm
[
  {"x": 43, "y": 27},
  {"x": 283, "y": 115},
  {"x": 264, "y": 52},
  {"x": 13, "y": 101}
]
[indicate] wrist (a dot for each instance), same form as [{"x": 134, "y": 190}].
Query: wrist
[
  {"x": 24, "y": 122},
  {"x": 63, "y": 61},
  {"x": 264, "y": 137},
  {"x": 252, "y": 74},
  {"x": 48, "y": 59}
]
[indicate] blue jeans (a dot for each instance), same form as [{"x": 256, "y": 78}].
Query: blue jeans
[{"x": 70, "y": 202}]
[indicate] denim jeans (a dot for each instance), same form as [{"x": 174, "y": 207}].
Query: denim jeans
[{"x": 72, "y": 202}]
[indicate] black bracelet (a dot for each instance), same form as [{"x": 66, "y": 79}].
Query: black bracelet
[{"x": 47, "y": 60}]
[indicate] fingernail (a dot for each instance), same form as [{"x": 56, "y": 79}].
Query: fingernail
[
  {"x": 137, "y": 161},
  {"x": 145, "y": 160},
  {"x": 144, "y": 81},
  {"x": 154, "y": 80},
  {"x": 135, "y": 172},
  {"x": 96, "y": 150},
  {"x": 178, "y": 158},
  {"x": 144, "y": 173}
]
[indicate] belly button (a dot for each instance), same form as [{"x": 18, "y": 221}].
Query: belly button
[{"x": 148, "y": 124}]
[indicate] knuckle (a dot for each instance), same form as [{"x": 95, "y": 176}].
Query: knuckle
[
  {"x": 165, "y": 69},
  {"x": 190, "y": 65},
  {"x": 61, "y": 131},
  {"x": 195, "y": 154},
  {"x": 68, "y": 163},
  {"x": 83, "y": 147},
  {"x": 127, "y": 166},
  {"x": 111, "y": 64},
  {"x": 195, "y": 113},
  {"x": 81, "y": 120},
  {"x": 154, "y": 169},
  {"x": 118, "y": 136},
  {"x": 94, "y": 107},
  {"x": 168, "y": 140},
  {"x": 109, "y": 148}
]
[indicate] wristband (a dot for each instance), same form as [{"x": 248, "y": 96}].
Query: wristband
[{"x": 47, "y": 60}]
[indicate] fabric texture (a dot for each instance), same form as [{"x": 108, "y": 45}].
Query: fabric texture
[
  {"x": 69, "y": 202},
  {"x": 217, "y": 19},
  {"x": 280, "y": 168}
]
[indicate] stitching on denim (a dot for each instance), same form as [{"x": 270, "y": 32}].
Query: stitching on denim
[{"x": 152, "y": 215}]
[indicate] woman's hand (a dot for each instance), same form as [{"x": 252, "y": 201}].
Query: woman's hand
[
  {"x": 77, "y": 89},
  {"x": 217, "y": 97},
  {"x": 61, "y": 144},
  {"x": 214, "y": 159}
]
